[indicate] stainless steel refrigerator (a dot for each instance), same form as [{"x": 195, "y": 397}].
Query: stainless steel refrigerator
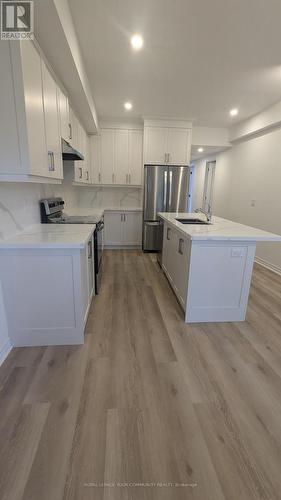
[{"x": 166, "y": 189}]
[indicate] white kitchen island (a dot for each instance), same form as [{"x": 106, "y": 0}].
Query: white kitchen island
[
  {"x": 47, "y": 283},
  {"x": 210, "y": 266}
]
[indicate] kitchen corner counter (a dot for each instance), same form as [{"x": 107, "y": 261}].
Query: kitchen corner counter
[
  {"x": 50, "y": 236},
  {"x": 219, "y": 229}
]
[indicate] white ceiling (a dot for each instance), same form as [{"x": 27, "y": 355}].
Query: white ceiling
[{"x": 200, "y": 57}]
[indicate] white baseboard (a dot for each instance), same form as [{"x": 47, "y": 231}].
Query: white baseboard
[
  {"x": 7, "y": 347},
  {"x": 268, "y": 265}
]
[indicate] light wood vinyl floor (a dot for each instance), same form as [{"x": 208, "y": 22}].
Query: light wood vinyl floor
[{"x": 148, "y": 408}]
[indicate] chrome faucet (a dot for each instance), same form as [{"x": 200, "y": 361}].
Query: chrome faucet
[{"x": 207, "y": 213}]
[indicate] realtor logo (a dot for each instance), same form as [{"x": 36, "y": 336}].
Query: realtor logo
[{"x": 17, "y": 20}]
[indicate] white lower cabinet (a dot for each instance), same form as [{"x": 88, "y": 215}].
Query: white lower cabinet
[
  {"x": 47, "y": 294},
  {"x": 113, "y": 235},
  {"x": 123, "y": 228},
  {"x": 175, "y": 261}
]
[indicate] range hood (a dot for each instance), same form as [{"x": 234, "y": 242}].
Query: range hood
[{"x": 69, "y": 153}]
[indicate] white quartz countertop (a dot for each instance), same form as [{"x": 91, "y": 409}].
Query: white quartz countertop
[
  {"x": 219, "y": 229},
  {"x": 53, "y": 236}
]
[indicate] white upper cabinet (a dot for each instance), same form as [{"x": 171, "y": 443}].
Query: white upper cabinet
[
  {"x": 52, "y": 128},
  {"x": 87, "y": 161},
  {"x": 82, "y": 168},
  {"x": 73, "y": 129},
  {"x": 107, "y": 156},
  {"x": 121, "y": 163},
  {"x": 167, "y": 145},
  {"x": 155, "y": 141},
  {"x": 117, "y": 159},
  {"x": 65, "y": 127},
  {"x": 24, "y": 154},
  {"x": 178, "y": 146},
  {"x": 34, "y": 110},
  {"x": 10, "y": 160},
  {"x": 135, "y": 157},
  {"x": 95, "y": 159}
]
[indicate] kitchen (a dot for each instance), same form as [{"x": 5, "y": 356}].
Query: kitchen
[{"x": 140, "y": 251}]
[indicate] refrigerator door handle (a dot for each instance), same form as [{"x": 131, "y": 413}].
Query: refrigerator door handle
[
  {"x": 170, "y": 187},
  {"x": 165, "y": 190}
]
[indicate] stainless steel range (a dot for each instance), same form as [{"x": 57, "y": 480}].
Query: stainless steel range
[{"x": 52, "y": 212}]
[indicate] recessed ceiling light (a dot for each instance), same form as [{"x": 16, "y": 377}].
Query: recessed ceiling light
[
  {"x": 200, "y": 150},
  {"x": 128, "y": 106},
  {"x": 233, "y": 112},
  {"x": 137, "y": 42}
]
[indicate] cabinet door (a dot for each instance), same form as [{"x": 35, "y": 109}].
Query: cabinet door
[
  {"x": 121, "y": 163},
  {"x": 73, "y": 129},
  {"x": 135, "y": 157},
  {"x": 78, "y": 171},
  {"x": 181, "y": 268},
  {"x": 95, "y": 159},
  {"x": 178, "y": 146},
  {"x": 64, "y": 116},
  {"x": 52, "y": 124},
  {"x": 80, "y": 138},
  {"x": 132, "y": 228},
  {"x": 113, "y": 228},
  {"x": 107, "y": 156},
  {"x": 155, "y": 145},
  {"x": 32, "y": 79},
  {"x": 169, "y": 249},
  {"x": 10, "y": 160},
  {"x": 87, "y": 164}
]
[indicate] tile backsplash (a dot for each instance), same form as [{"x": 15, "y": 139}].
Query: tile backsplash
[{"x": 19, "y": 202}]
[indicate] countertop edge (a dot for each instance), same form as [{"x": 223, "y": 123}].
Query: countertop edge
[{"x": 266, "y": 237}]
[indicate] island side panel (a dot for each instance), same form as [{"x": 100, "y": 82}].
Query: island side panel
[{"x": 219, "y": 281}]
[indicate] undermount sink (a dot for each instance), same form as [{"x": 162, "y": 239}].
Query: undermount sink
[{"x": 193, "y": 221}]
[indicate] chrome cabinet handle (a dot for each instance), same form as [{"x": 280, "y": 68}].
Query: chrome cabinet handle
[
  {"x": 168, "y": 233},
  {"x": 126, "y": 178},
  {"x": 124, "y": 220},
  {"x": 170, "y": 187},
  {"x": 165, "y": 190},
  {"x": 90, "y": 251},
  {"x": 180, "y": 251},
  {"x": 121, "y": 217},
  {"x": 81, "y": 173},
  {"x": 113, "y": 178},
  {"x": 70, "y": 131},
  {"x": 51, "y": 161},
  {"x": 168, "y": 154},
  {"x": 87, "y": 175},
  {"x": 99, "y": 177},
  {"x": 165, "y": 160},
  {"x": 129, "y": 178}
]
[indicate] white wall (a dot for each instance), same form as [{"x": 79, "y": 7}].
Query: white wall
[{"x": 251, "y": 170}]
